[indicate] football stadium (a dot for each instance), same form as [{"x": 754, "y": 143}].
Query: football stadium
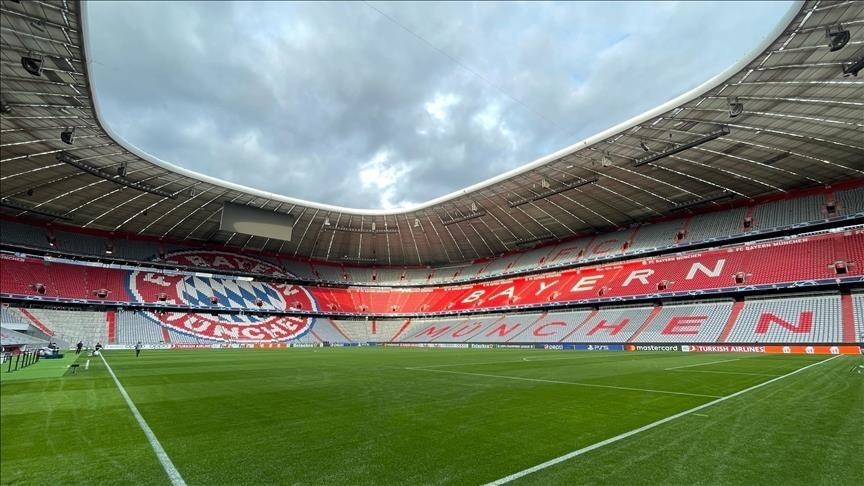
[{"x": 677, "y": 299}]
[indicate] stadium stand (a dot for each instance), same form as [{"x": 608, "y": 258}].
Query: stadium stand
[
  {"x": 696, "y": 323},
  {"x": 787, "y": 212},
  {"x": 814, "y": 318},
  {"x": 747, "y": 265},
  {"x": 715, "y": 226},
  {"x": 858, "y": 309},
  {"x": 790, "y": 320},
  {"x": 132, "y": 327},
  {"x": 850, "y": 202},
  {"x": 795, "y": 211},
  {"x": 73, "y": 326}
]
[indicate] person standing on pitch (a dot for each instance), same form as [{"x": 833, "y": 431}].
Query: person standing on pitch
[
  {"x": 78, "y": 347},
  {"x": 137, "y": 348}
]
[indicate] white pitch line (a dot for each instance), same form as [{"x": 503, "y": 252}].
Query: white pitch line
[
  {"x": 167, "y": 465},
  {"x": 701, "y": 364},
  {"x": 611, "y": 440},
  {"x": 523, "y": 360},
  {"x": 724, "y": 372},
  {"x": 576, "y": 383}
]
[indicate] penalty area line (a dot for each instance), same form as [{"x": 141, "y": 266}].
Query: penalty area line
[
  {"x": 167, "y": 465},
  {"x": 575, "y": 383},
  {"x": 701, "y": 364},
  {"x": 611, "y": 440}
]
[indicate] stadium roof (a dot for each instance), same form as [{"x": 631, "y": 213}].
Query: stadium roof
[{"x": 801, "y": 124}]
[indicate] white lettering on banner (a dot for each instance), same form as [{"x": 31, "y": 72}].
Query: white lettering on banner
[
  {"x": 640, "y": 275},
  {"x": 508, "y": 292},
  {"x": 196, "y": 260},
  {"x": 544, "y": 286},
  {"x": 221, "y": 261},
  {"x": 718, "y": 267},
  {"x": 473, "y": 296},
  {"x": 586, "y": 283}
]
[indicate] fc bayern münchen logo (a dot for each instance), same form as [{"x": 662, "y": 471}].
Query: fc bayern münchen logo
[{"x": 210, "y": 293}]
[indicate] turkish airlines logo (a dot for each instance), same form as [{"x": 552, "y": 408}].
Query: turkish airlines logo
[{"x": 214, "y": 293}]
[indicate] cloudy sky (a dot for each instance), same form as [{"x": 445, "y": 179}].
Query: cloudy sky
[{"x": 381, "y": 105}]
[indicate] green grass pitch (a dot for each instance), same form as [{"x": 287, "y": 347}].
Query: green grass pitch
[{"x": 444, "y": 416}]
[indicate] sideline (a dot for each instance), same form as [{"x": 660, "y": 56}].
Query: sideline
[
  {"x": 579, "y": 452},
  {"x": 167, "y": 465}
]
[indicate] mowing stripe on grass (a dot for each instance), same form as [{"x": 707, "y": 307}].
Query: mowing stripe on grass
[
  {"x": 611, "y": 440},
  {"x": 701, "y": 364},
  {"x": 576, "y": 383},
  {"x": 170, "y": 470},
  {"x": 723, "y": 372},
  {"x": 523, "y": 360}
]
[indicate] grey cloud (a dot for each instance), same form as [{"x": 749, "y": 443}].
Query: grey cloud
[{"x": 295, "y": 98}]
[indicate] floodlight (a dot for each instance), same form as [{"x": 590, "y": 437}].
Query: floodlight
[
  {"x": 837, "y": 37},
  {"x": 852, "y": 68},
  {"x": 735, "y": 107},
  {"x": 68, "y": 136},
  {"x": 32, "y": 64}
]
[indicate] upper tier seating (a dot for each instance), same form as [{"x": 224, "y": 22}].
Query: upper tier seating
[
  {"x": 765, "y": 263},
  {"x": 713, "y": 226},
  {"x": 787, "y": 212},
  {"x": 850, "y": 201}
]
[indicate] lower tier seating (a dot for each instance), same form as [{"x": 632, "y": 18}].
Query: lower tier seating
[{"x": 814, "y": 318}]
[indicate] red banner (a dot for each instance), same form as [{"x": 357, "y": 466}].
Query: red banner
[{"x": 804, "y": 349}]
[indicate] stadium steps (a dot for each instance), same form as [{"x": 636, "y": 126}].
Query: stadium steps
[
  {"x": 530, "y": 326},
  {"x": 111, "y": 322},
  {"x": 730, "y": 323},
  {"x": 656, "y": 310},
  {"x": 36, "y": 322},
  {"x": 848, "y": 313},
  {"x": 340, "y": 331},
  {"x": 166, "y": 336},
  {"x": 581, "y": 325},
  {"x": 400, "y": 331}
]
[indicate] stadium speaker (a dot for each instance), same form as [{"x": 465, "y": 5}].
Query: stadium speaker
[
  {"x": 735, "y": 107},
  {"x": 852, "y": 68},
  {"x": 644, "y": 146},
  {"x": 68, "y": 136},
  {"x": 837, "y": 37},
  {"x": 32, "y": 64},
  {"x": 122, "y": 170}
]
